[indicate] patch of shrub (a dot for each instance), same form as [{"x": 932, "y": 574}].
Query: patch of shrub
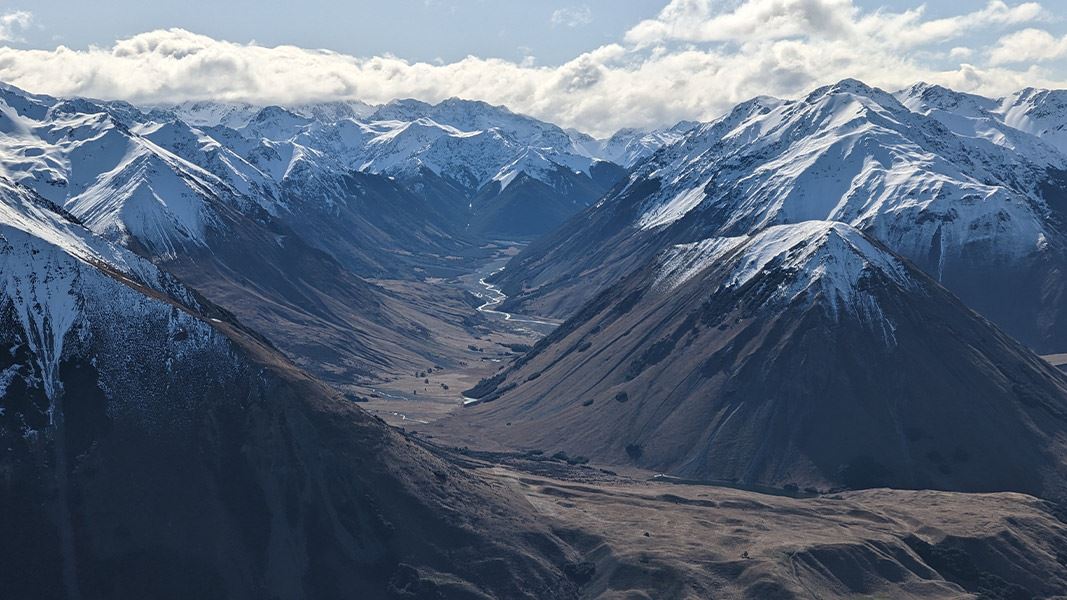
[
  {"x": 655, "y": 353},
  {"x": 570, "y": 460},
  {"x": 622, "y": 397},
  {"x": 485, "y": 387},
  {"x": 634, "y": 451},
  {"x": 580, "y": 573}
]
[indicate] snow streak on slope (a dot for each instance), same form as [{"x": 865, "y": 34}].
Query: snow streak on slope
[
  {"x": 1042, "y": 113},
  {"x": 47, "y": 262},
  {"x": 854, "y": 154},
  {"x": 83, "y": 156},
  {"x": 821, "y": 256}
]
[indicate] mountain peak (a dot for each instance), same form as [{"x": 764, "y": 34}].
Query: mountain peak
[
  {"x": 401, "y": 109},
  {"x": 853, "y": 87},
  {"x": 827, "y": 257}
]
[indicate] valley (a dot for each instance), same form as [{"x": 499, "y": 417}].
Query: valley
[
  {"x": 435, "y": 391},
  {"x": 446, "y": 350}
]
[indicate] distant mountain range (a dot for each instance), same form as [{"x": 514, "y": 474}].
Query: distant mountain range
[
  {"x": 278, "y": 217},
  {"x": 835, "y": 292}
]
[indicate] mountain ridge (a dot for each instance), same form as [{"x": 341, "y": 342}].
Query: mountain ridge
[
  {"x": 967, "y": 209},
  {"x": 804, "y": 356}
]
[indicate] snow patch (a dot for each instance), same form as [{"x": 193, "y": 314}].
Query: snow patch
[{"x": 821, "y": 256}]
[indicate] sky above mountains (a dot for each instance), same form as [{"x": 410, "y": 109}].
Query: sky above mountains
[{"x": 596, "y": 65}]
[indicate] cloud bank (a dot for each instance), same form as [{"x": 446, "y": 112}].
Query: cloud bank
[{"x": 695, "y": 60}]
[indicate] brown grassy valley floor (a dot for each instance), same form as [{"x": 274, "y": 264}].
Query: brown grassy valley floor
[{"x": 645, "y": 536}]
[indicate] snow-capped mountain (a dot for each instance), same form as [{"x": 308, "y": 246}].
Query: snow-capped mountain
[
  {"x": 180, "y": 197},
  {"x": 1042, "y": 113},
  {"x": 627, "y": 147},
  {"x": 83, "y": 157},
  {"x": 979, "y": 118},
  {"x": 469, "y": 144},
  {"x": 945, "y": 183},
  {"x": 206, "y": 113},
  {"x": 128, "y": 404},
  {"x": 471, "y": 148},
  {"x": 826, "y": 257},
  {"x": 196, "y": 147},
  {"x": 334, "y": 112},
  {"x": 805, "y": 355}
]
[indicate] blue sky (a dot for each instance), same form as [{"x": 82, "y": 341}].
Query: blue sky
[
  {"x": 418, "y": 30},
  {"x": 593, "y": 64}
]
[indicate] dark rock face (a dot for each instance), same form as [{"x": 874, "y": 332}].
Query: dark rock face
[
  {"x": 375, "y": 226},
  {"x": 179, "y": 459},
  {"x": 907, "y": 388},
  {"x": 528, "y": 207}
]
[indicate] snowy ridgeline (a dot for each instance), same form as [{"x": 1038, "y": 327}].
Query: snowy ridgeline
[
  {"x": 819, "y": 257},
  {"x": 153, "y": 173},
  {"x": 923, "y": 170},
  {"x": 62, "y": 283}
]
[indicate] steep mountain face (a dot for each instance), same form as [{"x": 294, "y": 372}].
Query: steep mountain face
[
  {"x": 154, "y": 447},
  {"x": 122, "y": 185},
  {"x": 1042, "y": 113},
  {"x": 971, "y": 201},
  {"x": 228, "y": 228},
  {"x": 196, "y": 147},
  {"x": 534, "y": 195},
  {"x": 805, "y": 355},
  {"x": 469, "y": 149}
]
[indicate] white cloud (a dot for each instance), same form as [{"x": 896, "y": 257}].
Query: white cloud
[
  {"x": 700, "y": 21},
  {"x": 572, "y": 17},
  {"x": 654, "y": 82},
  {"x": 1028, "y": 45},
  {"x": 960, "y": 53},
  {"x": 12, "y": 23}
]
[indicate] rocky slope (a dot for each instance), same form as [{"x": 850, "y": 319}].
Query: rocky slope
[
  {"x": 948, "y": 183},
  {"x": 448, "y": 154},
  {"x": 155, "y": 447},
  {"x": 804, "y": 356},
  {"x": 189, "y": 203}
]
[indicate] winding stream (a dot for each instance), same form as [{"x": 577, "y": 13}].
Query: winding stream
[{"x": 494, "y": 297}]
